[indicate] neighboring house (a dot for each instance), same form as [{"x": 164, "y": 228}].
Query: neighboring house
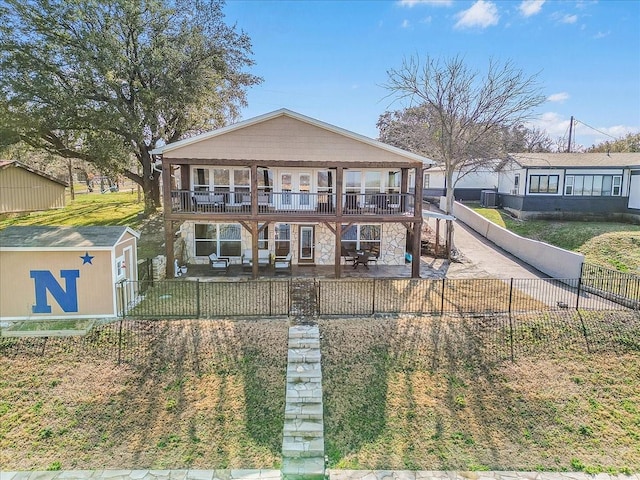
[
  {"x": 467, "y": 187},
  {"x": 66, "y": 272},
  {"x": 24, "y": 189},
  {"x": 289, "y": 184},
  {"x": 571, "y": 184}
]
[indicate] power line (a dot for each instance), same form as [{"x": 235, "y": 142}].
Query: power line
[{"x": 595, "y": 129}]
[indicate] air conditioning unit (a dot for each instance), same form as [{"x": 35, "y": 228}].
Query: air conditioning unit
[
  {"x": 488, "y": 198},
  {"x": 514, "y": 191}
]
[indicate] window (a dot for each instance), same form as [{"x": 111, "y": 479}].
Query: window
[
  {"x": 305, "y": 188},
  {"x": 425, "y": 181},
  {"x": 325, "y": 188},
  {"x": 593, "y": 185},
  {"x": 120, "y": 268},
  {"x": 201, "y": 180},
  {"x": 221, "y": 239},
  {"x": 263, "y": 238},
  {"x": 241, "y": 182},
  {"x": 287, "y": 187},
  {"x": 617, "y": 182},
  {"x": 516, "y": 181},
  {"x": 283, "y": 239},
  {"x": 393, "y": 182},
  {"x": 372, "y": 182},
  {"x": 543, "y": 184},
  {"x": 223, "y": 180},
  {"x": 568, "y": 185},
  {"x": 361, "y": 237},
  {"x": 265, "y": 180}
]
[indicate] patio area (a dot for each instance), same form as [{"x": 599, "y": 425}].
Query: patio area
[{"x": 429, "y": 268}]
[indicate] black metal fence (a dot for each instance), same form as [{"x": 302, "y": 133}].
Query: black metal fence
[
  {"x": 455, "y": 296},
  {"x": 496, "y": 337},
  {"x": 196, "y": 299},
  {"x": 353, "y": 297},
  {"x": 620, "y": 287}
]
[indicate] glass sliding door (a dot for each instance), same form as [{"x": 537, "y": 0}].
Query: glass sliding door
[{"x": 307, "y": 247}]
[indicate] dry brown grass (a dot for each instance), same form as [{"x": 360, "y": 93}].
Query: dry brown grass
[
  {"x": 193, "y": 394},
  {"x": 428, "y": 394}
]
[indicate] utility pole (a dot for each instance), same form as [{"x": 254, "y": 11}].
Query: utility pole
[{"x": 570, "y": 134}]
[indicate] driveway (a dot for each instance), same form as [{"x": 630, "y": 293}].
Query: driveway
[{"x": 479, "y": 258}]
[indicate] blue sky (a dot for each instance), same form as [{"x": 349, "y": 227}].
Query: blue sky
[{"x": 329, "y": 59}]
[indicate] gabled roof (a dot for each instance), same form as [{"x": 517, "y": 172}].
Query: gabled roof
[
  {"x": 63, "y": 237},
  {"x": 14, "y": 163},
  {"x": 576, "y": 160},
  {"x": 297, "y": 116}
]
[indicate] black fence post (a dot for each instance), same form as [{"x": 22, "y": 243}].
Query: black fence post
[
  {"x": 510, "y": 296},
  {"x": 373, "y": 298},
  {"x": 442, "y": 297},
  {"x": 270, "y": 296},
  {"x": 511, "y": 337},
  {"x": 579, "y": 284},
  {"x": 198, "y": 307},
  {"x": 120, "y": 341}
]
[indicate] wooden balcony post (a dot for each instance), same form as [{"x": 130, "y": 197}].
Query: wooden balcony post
[
  {"x": 168, "y": 224},
  {"x": 338, "y": 247},
  {"x": 254, "y": 247},
  {"x": 254, "y": 191},
  {"x": 404, "y": 188},
  {"x": 338, "y": 190}
]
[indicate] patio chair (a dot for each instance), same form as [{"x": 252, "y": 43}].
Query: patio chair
[
  {"x": 349, "y": 257},
  {"x": 219, "y": 264},
  {"x": 282, "y": 264},
  {"x": 374, "y": 255}
]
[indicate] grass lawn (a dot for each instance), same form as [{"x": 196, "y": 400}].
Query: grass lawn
[
  {"x": 187, "y": 394},
  {"x": 609, "y": 244},
  {"x": 423, "y": 394},
  {"x": 120, "y": 208}
]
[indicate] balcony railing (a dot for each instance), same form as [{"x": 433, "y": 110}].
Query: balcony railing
[{"x": 299, "y": 203}]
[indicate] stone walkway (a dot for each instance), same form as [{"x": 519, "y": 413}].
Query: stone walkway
[
  {"x": 303, "y": 435},
  {"x": 331, "y": 474}
]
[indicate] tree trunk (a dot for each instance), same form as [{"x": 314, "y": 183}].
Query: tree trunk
[
  {"x": 449, "y": 192},
  {"x": 150, "y": 183}
]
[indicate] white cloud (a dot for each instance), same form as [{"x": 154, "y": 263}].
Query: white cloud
[
  {"x": 569, "y": 19},
  {"x": 405, "y": 23},
  {"x": 557, "y": 127},
  {"x": 602, "y": 34},
  {"x": 558, "y": 97},
  {"x": 552, "y": 123},
  {"x": 481, "y": 14},
  {"x": 426, "y": 20},
  {"x": 434, "y": 3},
  {"x": 530, "y": 7}
]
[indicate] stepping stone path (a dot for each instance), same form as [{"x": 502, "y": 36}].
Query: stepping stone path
[
  {"x": 303, "y": 301},
  {"x": 303, "y": 439}
]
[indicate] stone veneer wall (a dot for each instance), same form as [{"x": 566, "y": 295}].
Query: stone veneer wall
[{"x": 393, "y": 244}]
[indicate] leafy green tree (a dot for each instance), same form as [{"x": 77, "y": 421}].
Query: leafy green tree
[
  {"x": 466, "y": 113},
  {"x": 106, "y": 81}
]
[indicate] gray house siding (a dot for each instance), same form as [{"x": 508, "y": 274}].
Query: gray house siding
[{"x": 567, "y": 206}]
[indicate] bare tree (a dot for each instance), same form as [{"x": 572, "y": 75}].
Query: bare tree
[{"x": 469, "y": 111}]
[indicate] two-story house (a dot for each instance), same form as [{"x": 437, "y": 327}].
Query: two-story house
[{"x": 290, "y": 184}]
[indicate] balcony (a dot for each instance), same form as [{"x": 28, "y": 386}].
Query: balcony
[{"x": 298, "y": 203}]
